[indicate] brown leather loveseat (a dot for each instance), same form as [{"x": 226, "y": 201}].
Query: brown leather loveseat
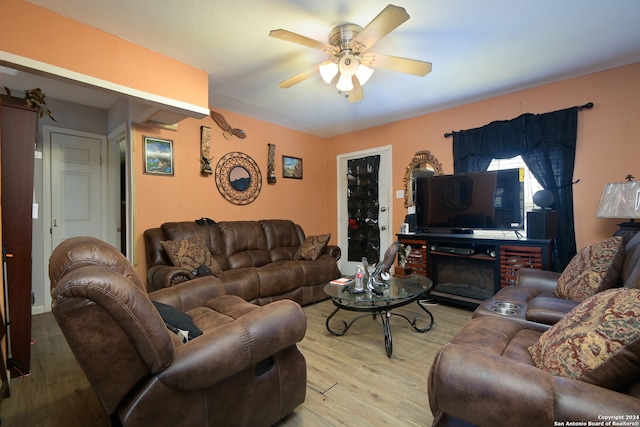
[
  {"x": 244, "y": 369},
  {"x": 577, "y": 364},
  {"x": 534, "y": 300},
  {"x": 256, "y": 259}
]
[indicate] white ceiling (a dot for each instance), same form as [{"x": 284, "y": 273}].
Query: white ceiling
[{"x": 479, "y": 49}]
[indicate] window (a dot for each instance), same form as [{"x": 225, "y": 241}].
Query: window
[{"x": 531, "y": 184}]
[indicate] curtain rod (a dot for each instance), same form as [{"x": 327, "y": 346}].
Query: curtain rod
[{"x": 580, "y": 108}]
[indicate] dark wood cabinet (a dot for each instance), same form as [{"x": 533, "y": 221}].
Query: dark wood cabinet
[
  {"x": 416, "y": 259},
  {"x": 467, "y": 269},
  {"x": 18, "y": 125}
]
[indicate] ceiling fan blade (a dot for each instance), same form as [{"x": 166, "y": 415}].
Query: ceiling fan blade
[
  {"x": 395, "y": 63},
  {"x": 303, "y": 40},
  {"x": 298, "y": 77},
  {"x": 388, "y": 20},
  {"x": 356, "y": 94}
]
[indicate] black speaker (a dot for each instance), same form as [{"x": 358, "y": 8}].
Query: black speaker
[
  {"x": 411, "y": 220},
  {"x": 542, "y": 224}
]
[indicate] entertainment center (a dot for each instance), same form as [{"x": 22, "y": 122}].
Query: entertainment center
[
  {"x": 469, "y": 268},
  {"x": 464, "y": 230}
]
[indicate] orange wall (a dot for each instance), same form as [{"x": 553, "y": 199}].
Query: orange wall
[
  {"x": 39, "y": 34},
  {"x": 607, "y": 146},
  {"x": 607, "y": 135},
  {"x": 188, "y": 195},
  {"x": 607, "y": 151}
]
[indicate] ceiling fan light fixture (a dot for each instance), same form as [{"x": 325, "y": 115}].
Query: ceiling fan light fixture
[
  {"x": 352, "y": 64},
  {"x": 344, "y": 83},
  {"x": 348, "y": 64},
  {"x": 328, "y": 71},
  {"x": 363, "y": 74}
]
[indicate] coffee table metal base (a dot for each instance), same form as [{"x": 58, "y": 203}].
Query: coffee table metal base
[{"x": 385, "y": 315}]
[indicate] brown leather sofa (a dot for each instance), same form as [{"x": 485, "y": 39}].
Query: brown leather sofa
[
  {"x": 243, "y": 370},
  {"x": 487, "y": 375},
  {"x": 256, "y": 258},
  {"x": 533, "y": 299}
]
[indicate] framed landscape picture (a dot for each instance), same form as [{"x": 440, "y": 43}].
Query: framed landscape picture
[
  {"x": 291, "y": 167},
  {"x": 158, "y": 156}
]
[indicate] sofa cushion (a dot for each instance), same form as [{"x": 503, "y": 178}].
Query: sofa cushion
[
  {"x": 191, "y": 253},
  {"x": 591, "y": 334},
  {"x": 244, "y": 244},
  {"x": 593, "y": 269},
  {"x": 185, "y": 229},
  {"x": 312, "y": 247}
]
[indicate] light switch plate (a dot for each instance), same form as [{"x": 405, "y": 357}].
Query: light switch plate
[{"x": 399, "y": 194}]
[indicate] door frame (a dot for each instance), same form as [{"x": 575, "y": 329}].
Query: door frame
[
  {"x": 385, "y": 153},
  {"x": 120, "y": 152},
  {"x": 111, "y": 206}
]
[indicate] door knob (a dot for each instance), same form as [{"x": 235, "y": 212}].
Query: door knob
[
  {"x": 383, "y": 209},
  {"x": 384, "y": 227}
]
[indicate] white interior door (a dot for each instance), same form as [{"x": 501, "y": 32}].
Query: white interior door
[
  {"x": 384, "y": 214},
  {"x": 78, "y": 191},
  {"x": 76, "y": 185}
]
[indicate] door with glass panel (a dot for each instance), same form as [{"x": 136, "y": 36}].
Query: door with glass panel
[{"x": 364, "y": 211}]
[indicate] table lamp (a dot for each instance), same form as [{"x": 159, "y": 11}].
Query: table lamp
[{"x": 622, "y": 200}]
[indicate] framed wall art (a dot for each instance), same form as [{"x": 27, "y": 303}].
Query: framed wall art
[
  {"x": 291, "y": 167},
  {"x": 158, "y": 156}
]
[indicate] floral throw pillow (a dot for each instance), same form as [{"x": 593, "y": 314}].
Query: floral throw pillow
[
  {"x": 191, "y": 253},
  {"x": 593, "y": 269},
  {"x": 591, "y": 334},
  {"x": 312, "y": 247}
]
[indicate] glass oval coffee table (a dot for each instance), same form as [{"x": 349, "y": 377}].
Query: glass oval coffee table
[{"x": 399, "y": 292}]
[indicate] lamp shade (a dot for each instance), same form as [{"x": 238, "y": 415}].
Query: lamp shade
[
  {"x": 344, "y": 83},
  {"x": 363, "y": 74},
  {"x": 328, "y": 71},
  {"x": 620, "y": 200}
]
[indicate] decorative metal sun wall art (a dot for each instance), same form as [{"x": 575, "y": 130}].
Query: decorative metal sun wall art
[{"x": 238, "y": 178}]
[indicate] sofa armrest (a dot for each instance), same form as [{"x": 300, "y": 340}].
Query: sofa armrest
[
  {"x": 489, "y": 390},
  {"x": 542, "y": 280},
  {"x": 164, "y": 276},
  {"x": 576, "y": 400},
  {"x": 234, "y": 347},
  {"x": 334, "y": 251}
]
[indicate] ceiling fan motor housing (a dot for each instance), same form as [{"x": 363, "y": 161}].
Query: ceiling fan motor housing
[{"x": 342, "y": 35}]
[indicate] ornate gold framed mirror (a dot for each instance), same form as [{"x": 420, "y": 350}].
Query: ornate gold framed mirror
[{"x": 423, "y": 163}]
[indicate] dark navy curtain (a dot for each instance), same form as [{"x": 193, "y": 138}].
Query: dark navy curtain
[{"x": 547, "y": 144}]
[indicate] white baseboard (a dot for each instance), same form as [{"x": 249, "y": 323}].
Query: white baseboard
[{"x": 38, "y": 309}]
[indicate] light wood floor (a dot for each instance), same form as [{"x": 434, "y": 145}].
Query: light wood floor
[{"x": 350, "y": 380}]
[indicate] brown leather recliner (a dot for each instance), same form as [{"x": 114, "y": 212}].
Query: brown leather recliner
[{"x": 244, "y": 370}]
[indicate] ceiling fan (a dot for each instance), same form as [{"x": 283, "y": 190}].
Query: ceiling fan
[{"x": 350, "y": 61}]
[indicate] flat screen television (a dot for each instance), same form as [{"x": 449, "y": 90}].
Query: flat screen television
[{"x": 463, "y": 202}]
